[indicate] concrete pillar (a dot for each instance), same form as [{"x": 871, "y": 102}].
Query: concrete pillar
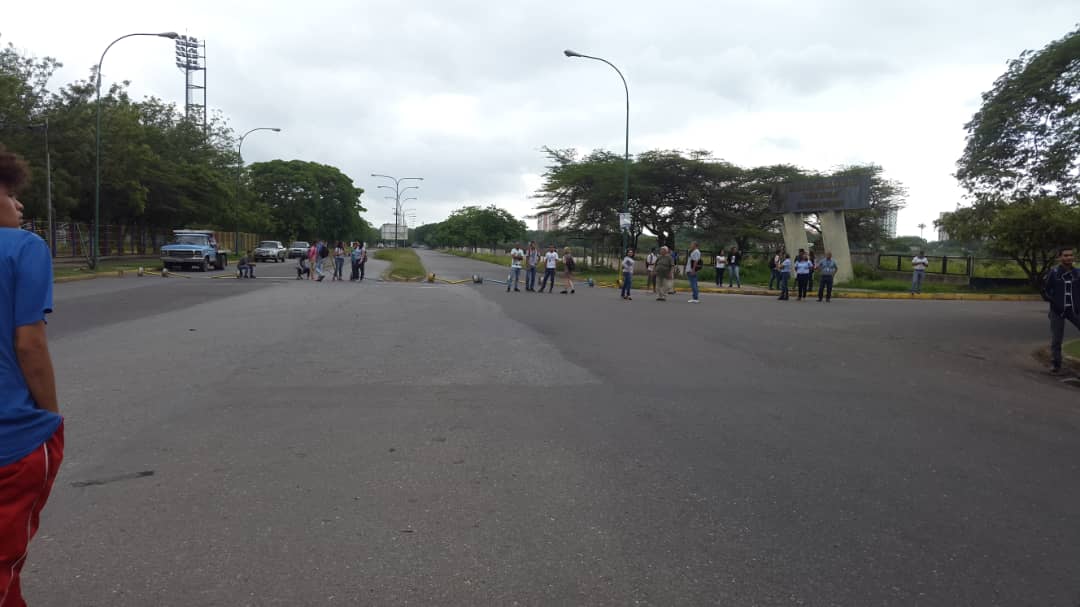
[
  {"x": 834, "y": 236},
  {"x": 794, "y": 233}
]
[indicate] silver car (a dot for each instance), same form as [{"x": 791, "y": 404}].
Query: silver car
[
  {"x": 298, "y": 249},
  {"x": 269, "y": 250}
]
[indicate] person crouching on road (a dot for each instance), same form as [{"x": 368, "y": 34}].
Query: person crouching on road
[
  {"x": 1060, "y": 291},
  {"x": 31, "y": 428},
  {"x": 245, "y": 269},
  {"x": 627, "y": 274},
  {"x": 665, "y": 274},
  {"x": 302, "y": 268}
]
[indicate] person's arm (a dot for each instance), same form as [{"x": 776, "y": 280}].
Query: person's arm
[{"x": 32, "y": 351}]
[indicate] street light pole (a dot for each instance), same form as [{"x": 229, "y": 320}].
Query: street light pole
[
  {"x": 239, "y": 170},
  {"x": 97, "y": 142},
  {"x": 626, "y": 156},
  {"x": 397, "y": 197}
]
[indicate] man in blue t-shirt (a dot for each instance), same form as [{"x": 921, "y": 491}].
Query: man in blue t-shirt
[{"x": 31, "y": 429}]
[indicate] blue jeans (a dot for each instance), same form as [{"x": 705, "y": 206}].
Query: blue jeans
[
  {"x": 627, "y": 279},
  {"x": 784, "y": 278},
  {"x": 916, "y": 281},
  {"x": 515, "y": 278},
  {"x": 734, "y": 276},
  {"x": 774, "y": 277},
  {"x": 548, "y": 273},
  {"x": 693, "y": 285},
  {"x": 530, "y": 278},
  {"x": 339, "y": 265}
]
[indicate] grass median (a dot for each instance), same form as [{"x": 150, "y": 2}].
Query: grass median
[
  {"x": 1072, "y": 348},
  {"x": 404, "y": 264}
]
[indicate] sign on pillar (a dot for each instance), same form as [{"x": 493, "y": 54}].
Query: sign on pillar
[{"x": 828, "y": 198}]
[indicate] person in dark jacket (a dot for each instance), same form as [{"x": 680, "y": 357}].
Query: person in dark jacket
[{"x": 1060, "y": 290}]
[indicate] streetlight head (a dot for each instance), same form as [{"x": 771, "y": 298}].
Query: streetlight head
[
  {"x": 276, "y": 130},
  {"x": 170, "y": 35},
  {"x": 570, "y": 53}
]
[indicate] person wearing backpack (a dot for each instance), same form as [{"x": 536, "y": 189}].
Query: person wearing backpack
[
  {"x": 324, "y": 252},
  {"x": 774, "y": 269}
]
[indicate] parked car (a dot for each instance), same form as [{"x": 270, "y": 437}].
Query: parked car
[
  {"x": 298, "y": 249},
  {"x": 194, "y": 249},
  {"x": 269, "y": 250}
]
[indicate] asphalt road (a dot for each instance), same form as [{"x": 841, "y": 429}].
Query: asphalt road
[{"x": 276, "y": 442}]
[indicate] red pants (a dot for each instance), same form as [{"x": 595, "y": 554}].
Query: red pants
[{"x": 24, "y": 489}]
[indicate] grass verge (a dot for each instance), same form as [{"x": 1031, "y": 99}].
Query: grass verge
[
  {"x": 1072, "y": 348},
  {"x": 404, "y": 264}
]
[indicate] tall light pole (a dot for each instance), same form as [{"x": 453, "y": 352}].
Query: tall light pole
[
  {"x": 239, "y": 170},
  {"x": 397, "y": 196},
  {"x": 626, "y": 181},
  {"x": 97, "y": 142}
]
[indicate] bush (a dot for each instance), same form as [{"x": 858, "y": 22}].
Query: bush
[{"x": 866, "y": 272}]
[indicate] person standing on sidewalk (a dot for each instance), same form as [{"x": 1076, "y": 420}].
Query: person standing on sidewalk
[
  {"x": 650, "y": 269},
  {"x": 734, "y": 261},
  {"x": 919, "y": 264},
  {"x": 31, "y": 428},
  {"x": 1060, "y": 290},
  {"x": 339, "y": 261},
  {"x": 665, "y": 274},
  {"x": 628, "y": 264},
  {"x": 363, "y": 259},
  {"x": 551, "y": 261},
  {"x": 813, "y": 266},
  {"x": 785, "y": 277},
  {"x": 802, "y": 275},
  {"x": 532, "y": 258},
  {"x": 721, "y": 264},
  {"x": 517, "y": 256},
  {"x": 774, "y": 269},
  {"x": 568, "y": 266},
  {"x": 693, "y": 266},
  {"x": 827, "y": 269}
]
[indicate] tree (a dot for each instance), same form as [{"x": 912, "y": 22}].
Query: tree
[
  {"x": 1029, "y": 231},
  {"x": 308, "y": 199},
  {"x": 473, "y": 226},
  {"x": 1025, "y": 139}
]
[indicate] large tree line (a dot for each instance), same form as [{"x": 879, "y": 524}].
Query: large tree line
[
  {"x": 673, "y": 192},
  {"x": 1021, "y": 163},
  {"x": 159, "y": 169},
  {"x": 473, "y": 226}
]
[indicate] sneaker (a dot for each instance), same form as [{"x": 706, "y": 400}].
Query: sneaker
[
  {"x": 321, "y": 278},
  {"x": 563, "y": 292},
  {"x": 629, "y": 298},
  {"x": 571, "y": 291},
  {"x": 517, "y": 290}
]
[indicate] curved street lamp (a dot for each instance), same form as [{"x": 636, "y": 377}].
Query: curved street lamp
[
  {"x": 97, "y": 141},
  {"x": 626, "y": 180},
  {"x": 397, "y": 196},
  {"x": 239, "y": 170}
]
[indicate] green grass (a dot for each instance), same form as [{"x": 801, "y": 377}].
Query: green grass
[
  {"x": 404, "y": 264},
  {"x": 1072, "y": 348}
]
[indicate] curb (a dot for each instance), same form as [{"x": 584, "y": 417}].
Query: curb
[
  {"x": 78, "y": 278},
  {"x": 870, "y": 295}
]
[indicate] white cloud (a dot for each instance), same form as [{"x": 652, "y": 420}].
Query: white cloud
[{"x": 465, "y": 93}]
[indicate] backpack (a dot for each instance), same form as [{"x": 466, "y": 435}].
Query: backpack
[
  {"x": 772, "y": 263},
  {"x": 323, "y": 252},
  {"x": 570, "y": 265}
]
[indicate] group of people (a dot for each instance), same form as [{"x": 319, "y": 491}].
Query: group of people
[
  {"x": 530, "y": 259},
  {"x": 312, "y": 265},
  {"x": 804, "y": 266}
]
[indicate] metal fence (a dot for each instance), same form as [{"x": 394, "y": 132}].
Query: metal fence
[
  {"x": 972, "y": 267},
  {"x": 74, "y": 239}
]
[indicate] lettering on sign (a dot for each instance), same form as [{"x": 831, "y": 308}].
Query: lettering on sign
[{"x": 823, "y": 194}]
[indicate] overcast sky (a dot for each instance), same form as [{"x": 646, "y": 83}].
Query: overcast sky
[{"x": 465, "y": 94}]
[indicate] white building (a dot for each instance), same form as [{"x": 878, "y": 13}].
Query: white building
[
  {"x": 941, "y": 233},
  {"x": 546, "y": 222}
]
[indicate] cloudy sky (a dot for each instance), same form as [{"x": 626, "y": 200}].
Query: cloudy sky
[{"x": 465, "y": 93}]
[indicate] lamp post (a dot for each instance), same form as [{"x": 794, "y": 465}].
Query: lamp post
[
  {"x": 626, "y": 180},
  {"x": 239, "y": 170},
  {"x": 397, "y": 196},
  {"x": 97, "y": 142}
]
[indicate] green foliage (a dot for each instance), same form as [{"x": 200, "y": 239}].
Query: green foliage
[
  {"x": 1024, "y": 141},
  {"x": 307, "y": 200},
  {"x": 865, "y": 271},
  {"x": 689, "y": 195},
  {"x": 473, "y": 226}
]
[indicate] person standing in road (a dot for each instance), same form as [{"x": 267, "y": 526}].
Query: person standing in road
[
  {"x": 354, "y": 261},
  {"x": 785, "y": 277},
  {"x": 324, "y": 252},
  {"x": 650, "y": 269},
  {"x": 674, "y": 270},
  {"x": 734, "y": 261},
  {"x": 568, "y": 266},
  {"x": 665, "y": 274},
  {"x": 1060, "y": 290},
  {"x": 919, "y": 263},
  {"x": 313, "y": 258},
  {"x": 827, "y": 269},
  {"x": 517, "y": 256},
  {"x": 693, "y": 266},
  {"x": 802, "y": 275},
  {"x": 363, "y": 259},
  {"x": 627, "y": 274},
  {"x": 551, "y": 261},
  {"x": 721, "y": 264},
  {"x": 532, "y": 259},
  {"x": 813, "y": 265},
  {"x": 339, "y": 261},
  {"x": 31, "y": 428}
]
